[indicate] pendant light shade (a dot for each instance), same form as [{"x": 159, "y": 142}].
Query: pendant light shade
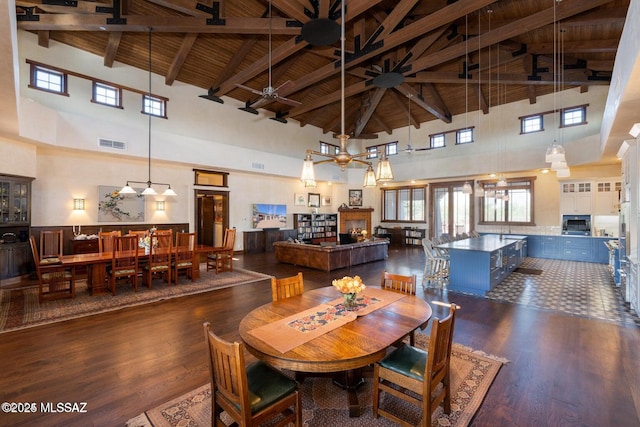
[
  {"x": 558, "y": 165},
  {"x": 149, "y": 191},
  {"x": 383, "y": 171},
  {"x": 127, "y": 189},
  {"x": 555, "y": 153},
  {"x": 466, "y": 188},
  {"x": 308, "y": 173},
  {"x": 563, "y": 173},
  {"x": 369, "y": 177}
]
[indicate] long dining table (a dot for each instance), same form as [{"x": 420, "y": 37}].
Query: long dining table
[
  {"x": 96, "y": 263},
  {"x": 313, "y": 333}
]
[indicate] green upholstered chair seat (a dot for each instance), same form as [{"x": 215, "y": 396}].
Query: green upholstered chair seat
[
  {"x": 267, "y": 385},
  {"x": 158, "y": 268},
  {"x": 125, "y": 272},
  {"x": 50, "y": 276},
  {"x": 49, "y": 261},
  {"x": 185, "y": 264},
  {"x": 407, "y": 360}
]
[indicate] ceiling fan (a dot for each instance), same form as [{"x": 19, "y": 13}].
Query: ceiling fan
[{"x": 269, "y": 93}]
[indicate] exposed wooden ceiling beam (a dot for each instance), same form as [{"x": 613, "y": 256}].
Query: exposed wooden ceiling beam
[
  {"x": 373, "y": 104},
  {"x": 112, "y": 48},
  {"x": 178, "y": 60}
]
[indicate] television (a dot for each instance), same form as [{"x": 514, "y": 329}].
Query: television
[{"x": 269, "y": 216}]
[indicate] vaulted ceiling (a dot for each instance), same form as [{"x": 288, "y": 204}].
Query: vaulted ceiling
[{"x": 445, "y": 57}]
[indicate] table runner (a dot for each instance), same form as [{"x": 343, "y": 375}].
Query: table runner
[{"x": 290, "y": 332}]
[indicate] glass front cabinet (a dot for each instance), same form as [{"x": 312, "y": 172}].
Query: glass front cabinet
[{"x": 15, "y": 223}]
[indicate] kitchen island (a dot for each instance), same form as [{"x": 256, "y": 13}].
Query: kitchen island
[{"x": 478, "y": 264}]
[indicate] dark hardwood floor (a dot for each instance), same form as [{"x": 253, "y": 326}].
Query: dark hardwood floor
[{"x": 563, "y": 370}]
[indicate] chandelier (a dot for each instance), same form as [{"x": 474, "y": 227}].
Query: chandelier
[
  {"x": 149, "y": 191},
  {"x": 343, "y": 158}
]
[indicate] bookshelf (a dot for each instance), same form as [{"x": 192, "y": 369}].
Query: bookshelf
[
  {"x": 414, "y": 236},
  {"x": 316, "y": 228}
]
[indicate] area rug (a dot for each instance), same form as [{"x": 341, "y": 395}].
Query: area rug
[
  {"x": 19, "y": 308},
  {"x": 325, "y": 404}
]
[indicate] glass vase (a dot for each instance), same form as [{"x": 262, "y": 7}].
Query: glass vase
[{"x": 350, "y": 303}]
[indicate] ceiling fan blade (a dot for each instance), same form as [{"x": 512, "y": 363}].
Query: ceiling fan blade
[
  {"x": 289, "y": 84},
  {"x": 261, "y": 102},
  {"x": 250, "y": 89},
  {"x": 288, "y": 101}
]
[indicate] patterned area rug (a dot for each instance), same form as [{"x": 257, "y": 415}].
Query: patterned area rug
[
  {"x": 324, "y": 404},
  {"x": 19, "y": 308},
  {"x": 577, "y": 288}
]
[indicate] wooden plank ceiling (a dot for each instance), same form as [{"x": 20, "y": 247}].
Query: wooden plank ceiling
[{"x": 446, "y": 57}]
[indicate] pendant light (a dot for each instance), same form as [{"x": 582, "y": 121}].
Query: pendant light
[
  {"x": 466, "y": 188},
  {"x": 149, "y": 191}
]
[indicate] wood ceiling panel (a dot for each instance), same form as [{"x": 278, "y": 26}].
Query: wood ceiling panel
[{"x": 204, "y": 64}]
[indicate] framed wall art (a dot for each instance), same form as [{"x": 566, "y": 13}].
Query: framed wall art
[
  {"x": 355, "y": 197},
  {"x": 114, "y": 207},
  {"x": 299, "y": 199},
  {"x": 326, "y": 200},
  {"x": 314, "y": 200}
]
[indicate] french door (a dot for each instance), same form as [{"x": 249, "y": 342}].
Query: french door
[
  {"x": 212, "y": 216},
  {"x": 450, "y": 209}
]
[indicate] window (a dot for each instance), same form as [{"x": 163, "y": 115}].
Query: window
[
  {"x": 436, "y": 140},
  {"x": 531, "y": 124},
  {"x": 573, "y": 116},
  {"x": 154, "y": 106},
  {"x": 107, "y": 95},
  {"x": 326, "y": 148},
  {"x": 404, "y": 204},
  {"x": 389, "y": 148},
  {"x": 464, "y": 136},
  {"x": 512, "y": 204},
  {"x": 48, "y": 80}
]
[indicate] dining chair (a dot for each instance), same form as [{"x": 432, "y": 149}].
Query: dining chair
[
  {"x": 105, "y": 240},
  {"x": 252, "y": 394},
  {"x": 124, "y": 262},
  {"x": 50, "y": 246},
  {"x": 221, "y": 258},
  {"x": 184, "y": 258},
  {"x": 54, "y": 280},
  {"x": 402, "y": 284},
  {"x": 286, "y": 287},
  {"x": 419, "y": 377},
  {"x": 159, "y": 263}
]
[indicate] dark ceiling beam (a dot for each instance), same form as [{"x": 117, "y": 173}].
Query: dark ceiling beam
[
  {"x": 291, "y": 8},
  {"x": 164, "y": 24},
  {"x": 43, "y": 38},
  {"x": 582, "y": 46},
  {"x": 180, "y": 57},
  {"x": 81, "y": 7},
  {"x": 188, "y": 7},
  {"x": 571, "y": 77},
  {"x": 531, "y": 93},
  {"x": 112, "y": 48},
  {"x": 483, "y": 104},
  {"x": 439, "y": 111},
  {"x": 361, "y": 123},
  {"x": 384, "y": 125}
]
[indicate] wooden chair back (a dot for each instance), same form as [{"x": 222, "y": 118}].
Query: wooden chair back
[
  {"x": 185, "y": 255},
  {"x": 106, "y": 240},
  {"x": 50, "y": 244},
  {"x": 229, "y": 239},
  {"x": 396, "y": 374},
  {"x": 230, "y": 387},
  {"x": 54, "y": 280},
  {"x": 160, "y": 253},
  {"x": 124, "y": 260},
  {"x": 398, "y": 283},
  {"x": 287, "y": 287}
]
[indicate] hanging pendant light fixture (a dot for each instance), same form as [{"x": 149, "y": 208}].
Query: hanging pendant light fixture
[
  {"x": 149, "y": 191},
  {"x": 555, "y": 152},
  {"x": 343, "y": 158},
  {"x": 466, "y": 188}
]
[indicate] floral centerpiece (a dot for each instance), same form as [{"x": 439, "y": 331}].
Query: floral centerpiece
[
  {"x": 349, "y": 287},
  {"x": 145, "y": 241}
]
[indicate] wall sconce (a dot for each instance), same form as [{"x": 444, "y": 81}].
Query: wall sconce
[
  {"x": 160, "y": 205},
  {"x": 78, "y": 204}
]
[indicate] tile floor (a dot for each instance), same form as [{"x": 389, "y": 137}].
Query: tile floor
[{"x": 579, "y": 288}]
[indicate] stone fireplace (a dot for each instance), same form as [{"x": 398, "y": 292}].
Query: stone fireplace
[{"x": 355, "y": 219}]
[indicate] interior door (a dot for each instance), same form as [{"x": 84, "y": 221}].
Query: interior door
[{"x": 212, "y": 216}]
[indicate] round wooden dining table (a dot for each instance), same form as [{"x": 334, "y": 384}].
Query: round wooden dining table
[{"x": 347, "y": 348}]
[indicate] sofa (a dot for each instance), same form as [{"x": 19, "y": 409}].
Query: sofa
[{"x": 331, "y": 257}]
